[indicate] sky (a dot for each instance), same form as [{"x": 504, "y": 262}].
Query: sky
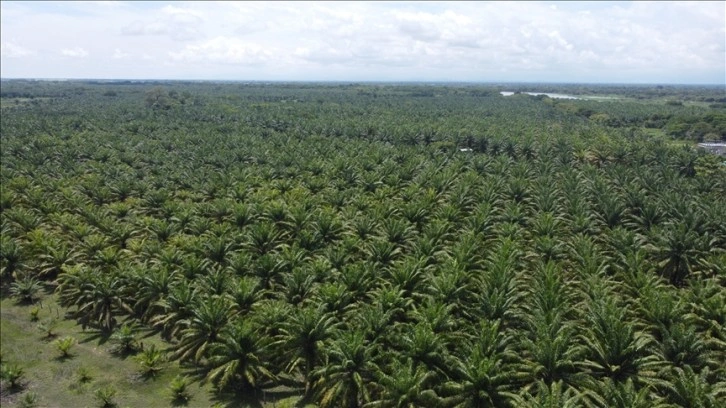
[{"x": 582, "y": 42}]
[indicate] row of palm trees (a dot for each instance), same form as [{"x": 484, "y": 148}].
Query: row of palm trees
[{"x": 566, "y": 266}]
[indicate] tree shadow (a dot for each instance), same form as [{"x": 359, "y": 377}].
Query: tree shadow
[
  {"x": 239, "y": 399},
  {"x": 101, "y": 337},
  {"x": 257, "y": 398},
  {"x": 65, "y": 357},
  {"x": 180, "y": 402},
  {"x": 267, "y": 393},
  {"x": 146, "y": 332},
  {"x": 122, "y": 353}
]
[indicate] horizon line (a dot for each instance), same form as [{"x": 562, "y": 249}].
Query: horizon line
[{"x": 367, "y": 81}]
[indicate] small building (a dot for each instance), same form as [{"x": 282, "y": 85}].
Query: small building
[{"x": 715, "y": 148}]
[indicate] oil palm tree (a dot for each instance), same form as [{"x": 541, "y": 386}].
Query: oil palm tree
[
  {"x": 691, "y": 389},
  {"x": 678, "y": 250},
  {"x": 209, "y": 316},
  {"x": 175, "y": 309},
  {"x": 99, "y": 297},
  {"x": 608, "y": 393},
  {"x": 405, "y": 385},
  {"x": 153, "y": 284},
  {"x": 302, "y": 338},
  {"x": 554, "y": 395},
  {"x": 347, "y": 372},
  {"x": 616, "y": 348},
  {"x": 489, "y": 375},
  {"x": 238, "y": 358}
]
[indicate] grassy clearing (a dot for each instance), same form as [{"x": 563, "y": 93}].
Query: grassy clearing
[{"x": 57, "y": 381}]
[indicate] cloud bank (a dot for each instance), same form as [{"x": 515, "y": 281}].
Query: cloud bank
[{"x": 644, "y": 42}]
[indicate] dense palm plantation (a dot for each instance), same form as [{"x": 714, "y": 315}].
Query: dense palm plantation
[{"x": 382, "y": 246}]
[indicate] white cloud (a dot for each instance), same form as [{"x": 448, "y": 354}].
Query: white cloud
[
  {"x": 13, "y": 50},
  {"x": 76, "y": 52},
  {"x": 118, "y": 54},
  {"x": 180, "y": 24},
  {"x": 225, "y": 50}
]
